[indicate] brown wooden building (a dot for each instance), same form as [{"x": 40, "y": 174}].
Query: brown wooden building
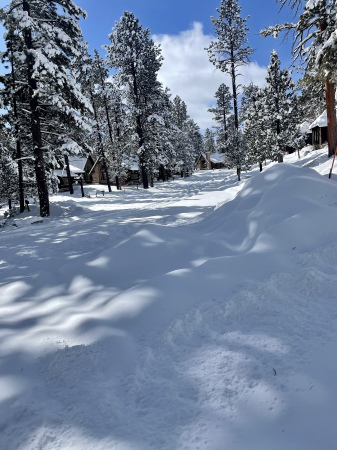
[
  {"x": 319, "y": 130},
  {"x": 209, "y": 161}
]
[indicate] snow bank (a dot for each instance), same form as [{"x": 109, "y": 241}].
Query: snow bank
[{"x": 125, "y": 329}]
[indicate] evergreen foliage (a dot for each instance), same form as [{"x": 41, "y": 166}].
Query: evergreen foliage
[
  {"x": 8, "y": 169},
  {"x": 47, "y": 38},
  {"x": 311, "y": 98},
  {"x": 138, "y": 60},
  {"x": 281, "y": 110},
  {"x": 189, "y": 142},
  {"x": 209, "y": 142},
  {"x": 254, "y": 124},
  {"x": 315, "y": 39},
  {"x": 221, "y": 116},
  {"x": 229, "y": 52}
]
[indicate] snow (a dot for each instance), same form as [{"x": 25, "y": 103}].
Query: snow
[
  {"x": 321, "y": 121},
  {"x": 197, "y": 314},
  {"x": 63, "y": 172},
  {"x": 79, "y": 163},
  {"x": 217, "y": 157},
  {"x": 305, "y": 127}
]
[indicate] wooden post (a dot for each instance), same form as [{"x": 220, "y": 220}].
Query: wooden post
[
  {"x": 81, "y": 183},
  {"x": 70, "y": 182},
  {"x": 333, "y": 161}
]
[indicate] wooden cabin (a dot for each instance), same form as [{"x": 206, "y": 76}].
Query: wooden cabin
[
  {"x": 92, "y": 166},
  {"x": 130, "y": 168},
  {"x": 86, "y": 167},
  {"x": 209, "y": 161},
  {"x": 306, "y": 132},
  {"x": 83, "y": 166},
  {"x": 319, "y": 130}
]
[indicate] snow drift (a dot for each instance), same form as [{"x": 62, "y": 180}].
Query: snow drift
[{"x": 219, "y": 333}]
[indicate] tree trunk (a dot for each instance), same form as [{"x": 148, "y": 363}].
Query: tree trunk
[
  {"x": 20, "y": 176},
  {"x": 235, "y": 96},
  {"x": 17, "y": 135},
  {"x": 109, "y": 124},
  {"x": 161, "y": 172},
  {"x": 40, "y": 174},
  {"x": 235, "y": 103},
  {"x": 139, "y": 130},
  {"x": 100, "y": 142},
  {"x": 278, "y": 131},
  {"x": 225, "y": 121},
  {"x": 144, "y": 177},
  {"x": 141, "y": 159},
  {"x": 260, "y": 163},
  {"x": 331, "y": 116},
  {"x": 330, "y": 107}
]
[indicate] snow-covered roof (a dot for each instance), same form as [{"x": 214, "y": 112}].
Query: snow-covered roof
[
  {"x": 63, "y": 173},
  {"x": 217, "y": 158},
  {"x": 131, "y": 162},
  {"x": 321, "y": 121},
  {"x": 305, "y": 127},
  {"x": 75, "y": 169},
  {"x": 78, "y": 162}
]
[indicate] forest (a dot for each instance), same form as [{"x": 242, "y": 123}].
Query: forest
[{"x": 59, "y": 101}]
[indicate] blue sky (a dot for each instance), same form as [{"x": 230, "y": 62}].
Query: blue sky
[
  {"x": 175, "y": 16},
  {"x": 184, "y": 28}
]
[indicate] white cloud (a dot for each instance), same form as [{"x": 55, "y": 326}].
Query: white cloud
[{"x": 188, "y": 73}]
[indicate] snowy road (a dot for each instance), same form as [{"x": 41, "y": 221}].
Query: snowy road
[{"x": 200, "y": 314}]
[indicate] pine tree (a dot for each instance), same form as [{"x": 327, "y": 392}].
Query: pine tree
[
  {"x": 117, "y": 128},
  {"x": 12, "y": 100},
  {"x": 315, "y": 38},
  {"x": 138, "y": 60},
  {"x": 229, "y": 52},
  {"x": 49, "y": 36},
  {"x": 197, "y": 144},
  {"x": 312, "y": 97},
  {"x": 209, "y": 141},
  {"x": 189, "y": 141},
  {"x": 221, "y": 114},
  {"x": 91, "y": 74},
  {"x": 8, "y": 168},
  {"x": 254, "y": 123},
  {"x": 281, "y": 109},
  {"x": 163, "y": 137}
]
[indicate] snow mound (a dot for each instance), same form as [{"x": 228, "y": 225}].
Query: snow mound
[
  {"x": 281, "y": 206},
  {"x": 121, "y": 333}
]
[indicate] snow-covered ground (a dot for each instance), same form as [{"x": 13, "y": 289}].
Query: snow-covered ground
[{"x": 200, "y": 314}]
